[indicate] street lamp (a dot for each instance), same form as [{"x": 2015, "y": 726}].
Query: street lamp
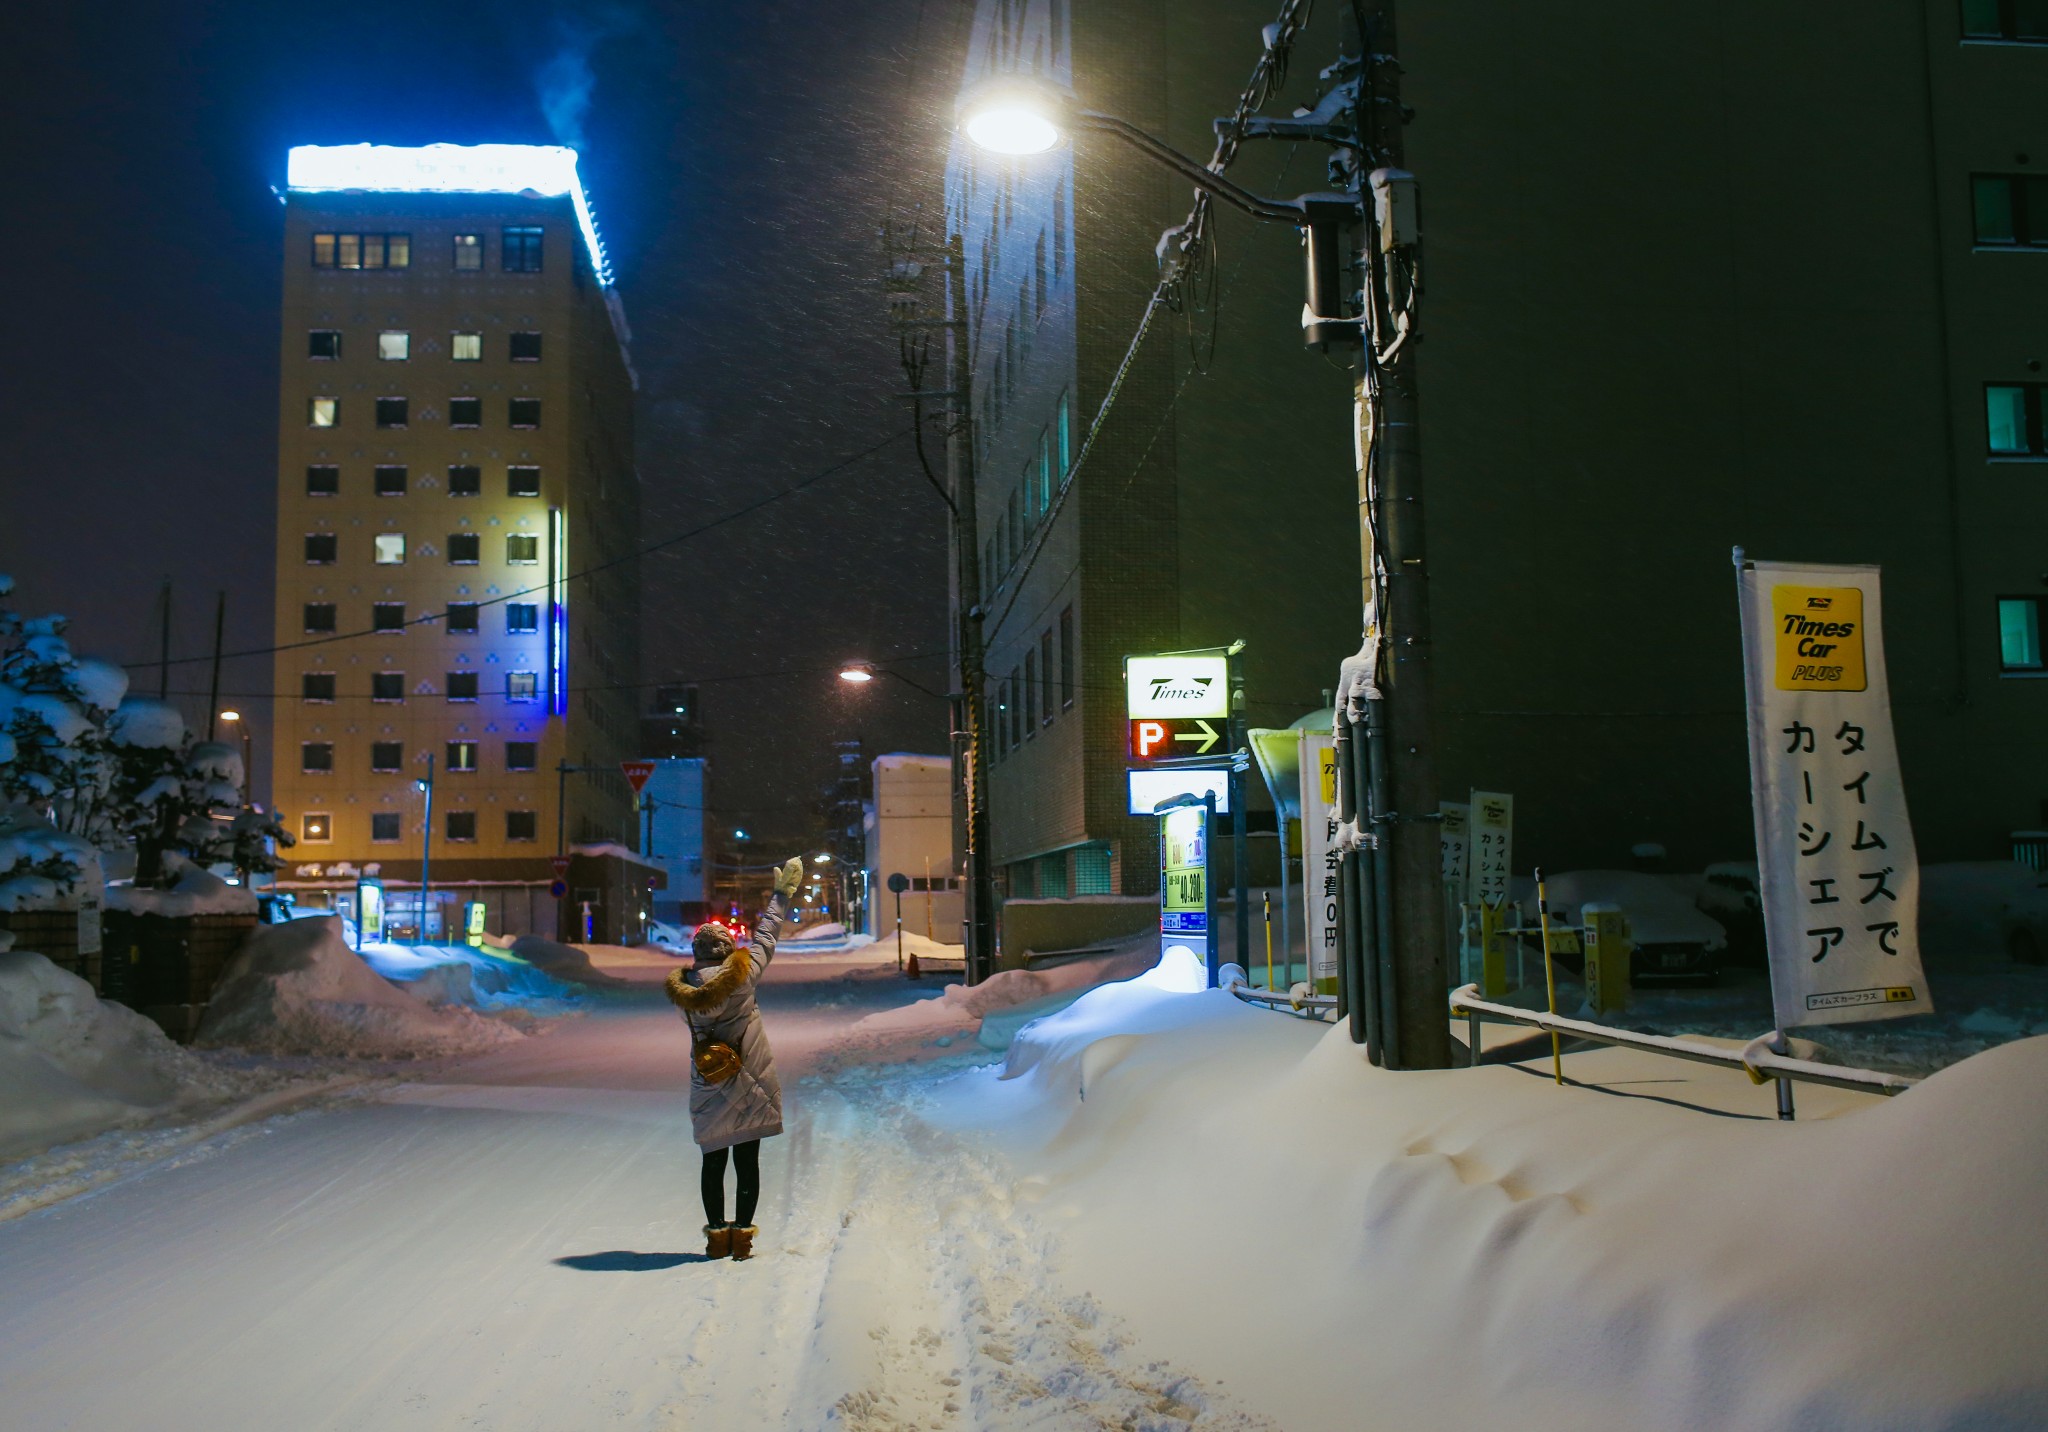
[
  {"x": 248, "y": 776},
  {"x": 426, "y": 788},
  {"x": 859, "y": 673}
]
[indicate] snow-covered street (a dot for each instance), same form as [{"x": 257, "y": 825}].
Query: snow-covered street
[{"x": 516, "y": 1244}]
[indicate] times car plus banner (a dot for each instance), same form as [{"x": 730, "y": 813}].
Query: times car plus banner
[{"x": 1841, "y": 881}]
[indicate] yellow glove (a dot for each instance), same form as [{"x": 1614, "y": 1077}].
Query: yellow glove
[{"x": 789, "y": 876}]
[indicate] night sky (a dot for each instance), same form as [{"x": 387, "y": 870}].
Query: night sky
[{"x": 740, "y": 158}]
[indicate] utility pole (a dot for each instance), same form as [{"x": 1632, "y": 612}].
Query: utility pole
[
  {"x": 163, "y": 659},
  {"x": 426, "y": 848},
  {"x": 220, "y": 623}
]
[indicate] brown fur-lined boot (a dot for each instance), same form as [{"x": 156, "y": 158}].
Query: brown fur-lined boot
[
  {"x": 718, "y": 1240},
  {"x": 743, "y": 1242}
]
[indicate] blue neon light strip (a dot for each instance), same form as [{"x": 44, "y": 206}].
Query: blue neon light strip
[
  {"x": 558, "y": 613},
  {"x": 546, "y": 169}
]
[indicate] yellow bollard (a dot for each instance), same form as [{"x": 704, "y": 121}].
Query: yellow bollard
[
  {"x": 1267, "y": 898},
  {"x": 1607, "y": 953},
  {"x": 1549, "y": 974}
]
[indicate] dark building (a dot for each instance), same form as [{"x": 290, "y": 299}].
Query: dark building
[{"x": 673, "y": 726}]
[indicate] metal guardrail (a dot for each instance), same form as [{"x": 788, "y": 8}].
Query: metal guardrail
[
  {"x": 1308, "y": 1005},
  {"x": 1756, "y": 1059}
]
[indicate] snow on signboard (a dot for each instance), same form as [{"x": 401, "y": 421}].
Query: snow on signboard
[
  {"x": 1840, "y": 876},
  {"x": 1319, "y": 856}
]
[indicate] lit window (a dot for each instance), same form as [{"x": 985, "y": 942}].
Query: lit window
[
  {"x": 522, "y": 755},
  {"x": 465, "y": 412},
  {"x": 2009, "y": 211},
  {"x": 2020, "y": 22},
  {"x": 462, "y": 616},
  {"x": 387, "y": 755},
  {"x": 463, "y": 548},
  {"x": 521, "y": 252},
  {"x": 522, "y": 549},
  {"x": 524, "y": 412},
  {"x": 323, "y": 412},
  {"x": 522, "y": 618},
  {"x": 387, "y": 616},
  {"x": 522, "y": 482},
  {"x": 362, "y": 251},
  {"x": 394, "y": 347},
  {"x": 319, "y": 616},
  {"x": 1066, "y": 439},
  {"x": 323, "y": 343},
  {"x": 316, "y": 686},
  {"x": 316, "y": 828},
  {"x": 526, "y": 348},
  {"x": 522, "y": 825},
  {"x": 320, "y": 548},
  {"x": 389, "y": 548},
  {"x": 348, "y": 251},
  {"x": 462, "y": 755},
  {"x": 2012, "y": 420},
  {"x": 389, "y": 482},
  {"x": 465, "y": 481},
  {"x": 316, "y": 757},
  {"x": 1044, "y": 473},
  {"x": 522, "y": 686},
  {"x": 2019, "y": 634},
  {"x": 466, "y": 347},
  {"x": 461, "y": 826},
  {"x": 469, "y": 252},
  {"x": 391, "y": 412},
  {"x": 387, "y": 686},
  {"x": 462, "y": 686},
  {"x": 323, "y": 251},
  {"x": 323, "y": 481},
  {"x": 384, "y": 827},
  {"x": 400, "y": 248}
]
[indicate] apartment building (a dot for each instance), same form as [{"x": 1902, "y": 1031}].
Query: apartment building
[{"x": 455, "y": 453}]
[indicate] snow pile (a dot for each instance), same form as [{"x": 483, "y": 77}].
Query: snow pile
[
  {"x": 72, "y": 1066},
  {"x": 1443, "y": 1246},
  {"x": 561, "y": 962},
  {"x": 296, "y": 988},
  {"x": 829, "y": 930},
  {"x": 197, "y": 892},
  {"x": 458, "y": 974}
]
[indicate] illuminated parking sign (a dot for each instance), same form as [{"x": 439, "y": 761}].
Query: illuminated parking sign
[
  {"x": 1176, "y": 687},
  {"x": 1149, "y": 789}
]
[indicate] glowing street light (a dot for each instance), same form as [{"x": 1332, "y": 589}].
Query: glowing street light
[
  {"x": 823, "y": 857},
  {"x": 248, "y": 775},
  {"x": 857, "y": 672},
  {"x": 1014, "y": 117}
]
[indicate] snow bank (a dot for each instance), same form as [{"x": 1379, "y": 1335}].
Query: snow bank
[
  {"x": 197, "y": 892},
  {"x": 829, "y": 930},
  {"x": 297, "y": 988},
  {"x": 561, "y": 962},
  {"x": 1442, "y": 1247},
  {"x": 458, "y": 974},
  {"x": 71, "y": 1065}
]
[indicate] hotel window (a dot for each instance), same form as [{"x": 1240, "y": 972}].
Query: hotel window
[
  {"x": 2018, "y": 22},
  {"x": 465, "y": 481},
  {"x": 321, "y": 547},
  {"x": 522, "y": 549},
  {"x": 323, "y": 412},
  {"x": 462, "y": 686},
  {"x": 391, "y": 412},
  {"x": 522, "y": 482},
  {"x": 461, "y": 826},
  {"x": 2010, "y": 211},
  {"x": 465, "y": 412},
  {"x": 387, "y": 755},
  {"x": 319, "y": 616},
  {"x": 522, "y": 755},
  {"x": 362, "y": 251},
  {"x": 466, "y": 347},
  {"x": 2012, "y": 420},
  {"x": 462, "y": 617},
  {"x": 462, "y": 755},
  {"x": 469, "y": 252},
  {"x": 2019, "y": 634},
  {"x": 388, "y": 482},
  {"x": 522, "y": 618},
  {"x": 323, "y": 343},
  {"x": 524, "y": 412},
  {"x": 387, "y": 616},
  {"x": 316, "y": 686},
  {"x": 521, "y": 252},
  {"x": 1067, "y": 657},
  {"x": 465, "y": 549},
  {"x": 316, "y": 757},
  {"x": 387, "y": 686},
  {"x": 384, "y": 829},
  {"x": 522, "y": 686},
  {"x": 316, "y": 828},
  {"x": 390, "y": 548},
  {"x": 323, "y": 481},
  {"x": 526, "y": 348},
  {"x": 394, "y": 346},
  {"x": 522, "y": 825}
]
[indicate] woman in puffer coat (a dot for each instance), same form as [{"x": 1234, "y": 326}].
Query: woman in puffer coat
[{"x": 716, "y": 997}]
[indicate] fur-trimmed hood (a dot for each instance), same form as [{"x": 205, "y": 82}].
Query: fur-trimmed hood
[{"x": 727, "y": 980}]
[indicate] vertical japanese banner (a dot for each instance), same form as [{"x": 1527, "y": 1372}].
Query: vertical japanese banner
[
  {"x": 1841, "y": 879},
  {"x": 1492, "y": 845},
  {"x": 1319, "y": 856},
  {"x": 1454, "y": 840}
]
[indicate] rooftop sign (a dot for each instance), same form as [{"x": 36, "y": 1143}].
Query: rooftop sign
[{"x": 545, "y": 169}]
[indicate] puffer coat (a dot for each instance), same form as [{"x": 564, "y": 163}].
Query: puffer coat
[{"x": 748, "y": 1105}]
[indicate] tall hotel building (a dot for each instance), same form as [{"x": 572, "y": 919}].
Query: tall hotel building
[{"x": 455, "y": 447}]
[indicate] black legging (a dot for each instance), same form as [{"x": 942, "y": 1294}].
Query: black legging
[{"x": 746, "y": 1160}]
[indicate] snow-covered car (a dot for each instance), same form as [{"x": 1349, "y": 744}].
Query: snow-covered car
[
  {"x": 674, "y": 937},
  {"x": 1674, "y": 939},
  {"x": 2023, "y": 924},
  {"x": 1730, "y": 893}
]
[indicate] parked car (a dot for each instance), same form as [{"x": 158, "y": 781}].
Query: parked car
[
  {"x": 2023, "y": 923},
  {"x": 1731, "y": 894},
  {"x": 1673, "y": 939}
]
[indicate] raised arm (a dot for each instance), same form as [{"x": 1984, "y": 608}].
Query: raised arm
[{"x": 770, "y": 928}]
